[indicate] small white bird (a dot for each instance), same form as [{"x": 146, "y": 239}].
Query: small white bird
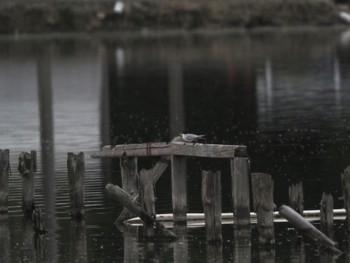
[{"x": 190, "y": 137}]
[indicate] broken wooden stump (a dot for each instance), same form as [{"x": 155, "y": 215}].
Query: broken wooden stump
[
  {"x": 211, "y": 199},
  {"x": 4, "y": 179},
  {"x": 76, "y": 179},
  {"x": 147, "y": 201},
  {"x": 157, "y": 170},
  {"x": 326, "y": 214},
  {"x": 308, "y": 229},
  {"x": 296, "y": 197},
  {"x": 126, "y": 200},
  {"x": 262, "y": 188},
  {"x": 38, "y": 222},
  {"x": 345, "y": 181},
  {"x": 27, "y": 166},
  {"x": 240, "y": 190}
]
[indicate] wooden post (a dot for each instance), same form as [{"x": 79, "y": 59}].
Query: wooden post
[
  {"x": 262, "y": 186},
  {"x": 242, "y": 248},
  {"x": 126, "y": 200},
  {"x": 296, "y": 197},
  {"x": 27, "y": 166},
  {"x": 326, "y": 214},
  {"x": 38, "y": 222},
  {"x": 156, "y": 171},
  {"x": 345, "y": 180},
  {"x": 240, "y": 190},
  {"x": 128, "y": 166},
  {"x": 147, "y": 201},
  {"x": 179, "y": 191},
  {"x": 4, "y": 179},
  {"x": 76, "y": 179},
  {"x": 299, "y": 222},
  {"x": 211, "y": 199}
]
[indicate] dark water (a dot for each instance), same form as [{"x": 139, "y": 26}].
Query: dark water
[{"x": 284, "y": 94}]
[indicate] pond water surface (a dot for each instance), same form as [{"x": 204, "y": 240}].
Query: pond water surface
[{"x": 283, "y": 93}]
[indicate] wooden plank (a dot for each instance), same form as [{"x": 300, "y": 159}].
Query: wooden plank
[
  {"x": 174, "y": 148},
  {"x": 211, "y": 199},
  {"x": 240, "y": 190},
  {"x": 262, "y": 188},
  {"x": 179, "y": 189}
]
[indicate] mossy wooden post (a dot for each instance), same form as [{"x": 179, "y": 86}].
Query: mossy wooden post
[
  {"x": 128, "y": 166},
  {"x": 76, "y": 178},
  {"x": 4, "y": 179},
  {"x": 326, "y": 214},
  {"x": 240, "y": 190},
  {"x": 345, "y": 180},
  {"x": 211, "y": 199},
  {"x": 262, "y": 188},
  {"x": 296, "y": 197},
  {"x": 147, "y": 201},
  {"x": 27, "y": 166},
  {"x": 179, "y": 189}
]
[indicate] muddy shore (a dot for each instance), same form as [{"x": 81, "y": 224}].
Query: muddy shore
[{"x": 158, "y": 14}]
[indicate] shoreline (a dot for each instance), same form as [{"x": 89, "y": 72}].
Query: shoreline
[{"x": 155, "y": 15}]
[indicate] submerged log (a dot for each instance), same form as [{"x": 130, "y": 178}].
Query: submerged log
[
  {"x": 326, "y": 213},
  {"x": 308, "y": 229},
  {"x": 240, "y": 190},
  {"x": 211, "y": 199},
  {"x": 4, "y": 179},
  {"x": 27, "y": 166},
  {"x": 120, "y": 196},
  {"x": 296, "y": 197},
  {"x": 76, "y": 179},
  {"x": 262, "y": 188}
]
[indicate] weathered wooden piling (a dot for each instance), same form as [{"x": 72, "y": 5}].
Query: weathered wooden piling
[
  {"x": 147, "y": 201},
  {"x": 240, "y": 190},
  {"x": 211, "y": 199},
  {"x": 4, "y": 179},
  {"x": 120, "y": 196},
  {"x": 308, "y": 229},
  {"x": 27, "y": 166},
  {"x": 179, "y": 189},
  {"x": 345, "y": 181},
  {"x": 76, "y": 179},
  {"x": 156, "y": 171},
  {"x": 262, "y": 188},
  {"x": 326, "y": 214},
  {"x": 296, "y": 197},
  {"x": 130, "y": 178},
  {"x": 38, "y": 222}
]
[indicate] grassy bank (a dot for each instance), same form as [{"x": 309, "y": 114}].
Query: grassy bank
[{"x": 159, "y": 14}]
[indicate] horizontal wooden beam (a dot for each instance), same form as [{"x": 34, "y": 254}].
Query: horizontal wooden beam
[{"x": 174, "y": 148}]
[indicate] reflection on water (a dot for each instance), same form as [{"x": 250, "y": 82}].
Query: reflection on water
[{"x": 284, "y": 94}]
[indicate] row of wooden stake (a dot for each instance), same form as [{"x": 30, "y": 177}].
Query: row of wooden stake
[{"x": 27, "y": 166}]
